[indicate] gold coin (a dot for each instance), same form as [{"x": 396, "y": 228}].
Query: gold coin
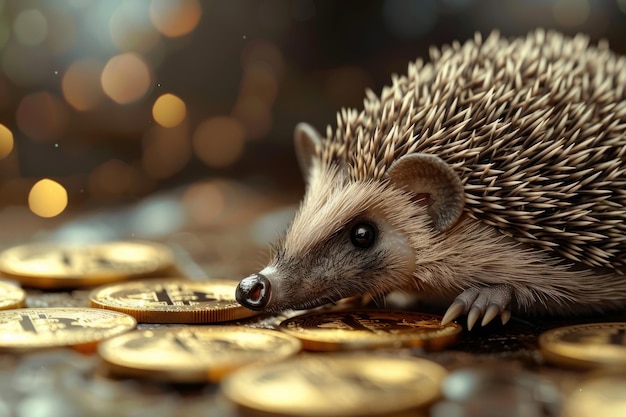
[
  {"x": 62, "y": 265},
  {"x": 11, "y": 296},
  {"x": 586, "y": 345},
  {"x": 80, "y": 328},
  {"x": 370, "y": 329},
  {"x": 172, "y": 300},
  {"x": 336, "y": 384},
  {"x": 600, "y": 395},
  {"x": 193, "y": 354}
]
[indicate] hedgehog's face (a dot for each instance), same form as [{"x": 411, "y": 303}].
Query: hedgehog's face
[
  {"x": 345, "y": 242},
  {"x": 352, "y": 237}
]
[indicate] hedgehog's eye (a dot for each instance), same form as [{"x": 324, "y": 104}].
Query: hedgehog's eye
[{"x": 363, "y": 235}]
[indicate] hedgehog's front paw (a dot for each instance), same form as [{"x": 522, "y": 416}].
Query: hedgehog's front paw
[{"x": 487, "y": 302}]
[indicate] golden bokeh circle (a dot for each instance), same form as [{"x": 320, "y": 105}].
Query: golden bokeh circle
[
  {"x": 6, "y": 141},
  {"x": 47, "y": 198},
  {"x": 169, "y": 110},
  {"x": 126, "y": 78}
]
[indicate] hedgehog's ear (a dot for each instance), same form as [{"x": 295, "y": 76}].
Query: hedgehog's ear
[
  {"x": 306, "y": 139},
  {"x": 434, "y": 181}
]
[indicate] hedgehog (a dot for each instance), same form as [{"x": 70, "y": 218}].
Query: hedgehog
[{"x": 490, "y": 179}]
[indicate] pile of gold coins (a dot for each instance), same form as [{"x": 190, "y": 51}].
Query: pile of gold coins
[{"x": 341, "y": 362}]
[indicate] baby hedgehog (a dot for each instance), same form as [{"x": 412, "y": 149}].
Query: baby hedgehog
[{"x": 493, "y": 173}]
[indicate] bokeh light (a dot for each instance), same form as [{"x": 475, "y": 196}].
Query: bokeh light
[
  {"x": 263, "y": 66},
  {"x": 175, "y": 18},
  {"x": 81, "y": 84},
  {"x": 47, "y": 198},
  {"x": 255, "y": 116},
  {"x": 169, "y": 110},
  {"x": 130, "y": 27},
  {"x": 112, "y": 179},
  {"x": 30, "y": 27},
  {"x": 259, "y": 80},
  {"x": 126, "y": 78},
  {"x": 219, "y": 141},
  {"x": 6, "y": 141},
  {"x": 262, "y": 51},
  {"x": 166, "y": 151},
  {"x": 42, "y": 116},
  {"x": 204, "y": 203}
]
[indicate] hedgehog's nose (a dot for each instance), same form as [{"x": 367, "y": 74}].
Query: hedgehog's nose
[{"x": 253, "y": 292}]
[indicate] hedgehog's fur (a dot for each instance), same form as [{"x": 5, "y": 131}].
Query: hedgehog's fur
[{"x": 534, "y": 127}]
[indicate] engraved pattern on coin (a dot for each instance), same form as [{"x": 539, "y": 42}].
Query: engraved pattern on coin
[
  {"x": 11, "y": 296},
  {"x": 172, "y": 300},
  {"x": 587, "y": 345},
  {"x": 33, "y": 328},
  {"x": 193, "y": 354},
  {"x": 601, "y": 335},
  {"x": 324, "y": 331},
  {"x": 59, "y": 265},
  {"x": 338, "y": 385}
]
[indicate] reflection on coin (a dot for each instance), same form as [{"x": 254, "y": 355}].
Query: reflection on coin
[
  {"x": 80, "y": 328},
  {"x": 338, "y": 385},
  {"x": 172, "y": 300},
  {"x": 586, "y": 345},
  {"x": 363, "y": 329},
  {"x": 60, "y": 265},
  {"x": 11, "y": 296},
  {"x": 193, "y": 354},
  {"x": 598, "y": 396}
]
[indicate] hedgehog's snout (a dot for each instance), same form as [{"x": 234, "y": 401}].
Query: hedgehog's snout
[{"x": 253, "y": 292}]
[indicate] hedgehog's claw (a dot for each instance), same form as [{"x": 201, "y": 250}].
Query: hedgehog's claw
[
  {"x": 486, "y": 302},
  {"x": 472, "y": 316},
  {"x": 456, "y": 309},
  {"x": 492, "y": 311}
]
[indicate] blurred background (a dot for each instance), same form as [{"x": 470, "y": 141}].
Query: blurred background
[{"x": 106, "y": 106}]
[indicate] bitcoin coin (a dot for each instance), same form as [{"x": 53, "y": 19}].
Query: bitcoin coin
[
  {"x": 369, "y": 329},
  {"x": 336, "y": 384},
  {"x": 11, "y": 296},
  {"x": 599, "y": 395},
  {"x": 586, "y": 345},
  {"x": 81, "y": 328},
  {"x": 172, "y": 300},
  {"x": 62, "y": 265},
  {"x": 193, "y": 354}
]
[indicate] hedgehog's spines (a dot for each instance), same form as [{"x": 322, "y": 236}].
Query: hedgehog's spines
[{"x": 547, "y": 111}]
